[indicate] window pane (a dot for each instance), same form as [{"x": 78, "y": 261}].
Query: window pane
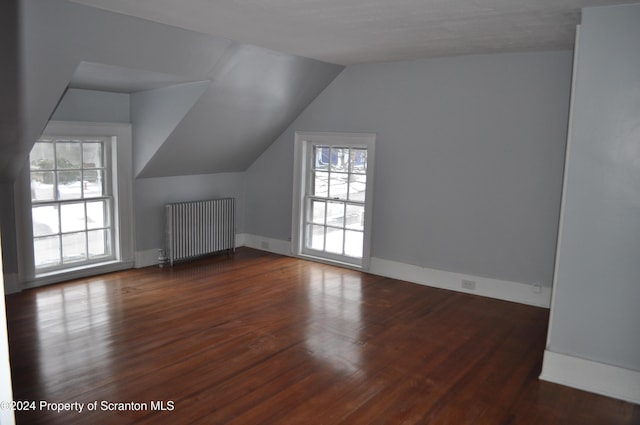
[
  {"x": 338, "y": 185},
  {"x": 315, "y": 237},
  {"x": 72, "y": 217},
  {"x": 70, "y": 232},
  {"x": 41, "y": 157},
  {"x": 74, "y": 247},
  {"x": 354, "y": 218},
  {"x": 97, "y": 214},
  {"x": 68, "y": 155},
  {"x": 332, "y": 207},
  {"x": 92, "y": 182},
  {"x": 42, "y": 186},
  {"x": 320, "y": 184},
  {"x": 357, "y": 187},
  {"x": 321, "y": 157},
  {"x": 359, "y": 161},
  {"x": 92, "y": 155},
  {"x": 353, "y": 243},
  {"x": 335, "y": 214},
  {"x": 99, "y": 243},
  {"x": 46, "y": 251},
  {"x": 340, "y": 159},
  {"x": 317, "y": 212},
  {"x": 45, "y": 220},
  {"x": 334, "y": 240},
  {"x": 69, "y": 186}
]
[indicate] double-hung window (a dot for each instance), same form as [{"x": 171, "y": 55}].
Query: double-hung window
[
  {"x": 72, "y": 202},
  {"x": 332, "y": 199}
]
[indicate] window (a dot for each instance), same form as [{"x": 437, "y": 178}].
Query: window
[
  {"x": 332, "y": 203},
  {"x": 71, "y": 202}
]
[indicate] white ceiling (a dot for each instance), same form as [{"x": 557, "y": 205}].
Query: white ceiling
[{"x": 356, "y": 31}]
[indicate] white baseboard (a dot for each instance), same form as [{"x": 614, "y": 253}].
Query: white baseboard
[
  {"x": 493, "y": 288},
  {"x": 149, "y": 257},
  {"x": 538, "y": 296},
  {"x": 77, "y": 273},
  {"x": 595, "y": 377},
  {"x": 277, "y": 246},
  {"x": 146, "y": 258}
]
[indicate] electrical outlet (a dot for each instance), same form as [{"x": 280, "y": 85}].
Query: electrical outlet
[
  {"x": 469, "y": 284},
  {"x": 537, "y": 289},
  {"x": 265, "y": 244}
]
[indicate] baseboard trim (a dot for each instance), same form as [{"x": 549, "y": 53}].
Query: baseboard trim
[
  {"x": 149, "y": 257},
  {"x": 78, "y": 273},
  {"x": 538, "y": 296},
  {"x": 594, "y": 377},
  {"x": 276, "y": 246}
]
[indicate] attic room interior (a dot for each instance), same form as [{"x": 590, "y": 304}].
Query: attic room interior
[{"x": 432, "y": 212}]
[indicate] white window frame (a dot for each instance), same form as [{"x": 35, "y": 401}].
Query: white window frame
[
  {"x": 106, "y": 196},
  {"x": 303, "y": 148},
  {"x": 122, "y": 191}
]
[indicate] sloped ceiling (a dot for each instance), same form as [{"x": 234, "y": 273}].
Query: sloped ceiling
[
  {"x": 101, "y": 77},
  {"x": 227, "y": 101},
  {"x": 253, "y": 92},
  {"x": 356, "y": 31},
  {"x": 254, "y": 97},
  {"x": 221, "y": 125}
]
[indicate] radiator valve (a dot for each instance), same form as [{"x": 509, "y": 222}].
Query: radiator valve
[{"x": 163, "y": 260}]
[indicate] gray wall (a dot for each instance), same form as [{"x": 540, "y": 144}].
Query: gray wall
[
  {"x": 470, "y": 155},
  {"x": 56, "y": 39},
  {"x": 8, "y": 227},
  {"x": 265, "y": 89},
  {"x": 150, "y": 194},
  {"x": 595, "y": 313},
  {"x": 9, "y": 145},
  {"x": 51, "y": 38},
  {"x": 155, "y": 115},
  {"x": 153, "y": 193},
  {"x": 93, "y": 106}
]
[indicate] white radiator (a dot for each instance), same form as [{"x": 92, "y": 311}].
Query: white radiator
[{"x": 197, "y": 228}]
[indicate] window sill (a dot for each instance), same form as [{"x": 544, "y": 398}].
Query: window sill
[
  {"x": 57, "y": 276},
  {"x": 333, "y": 262}
]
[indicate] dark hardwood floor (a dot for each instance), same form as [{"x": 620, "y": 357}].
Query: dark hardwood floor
[{"x": 260, "y": 338}]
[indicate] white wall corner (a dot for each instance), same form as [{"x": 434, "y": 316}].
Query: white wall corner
[
  {"x": 538, "y": 296},
  {"x": 595, "y": 377},
  {"x": 146, "y": 258}
]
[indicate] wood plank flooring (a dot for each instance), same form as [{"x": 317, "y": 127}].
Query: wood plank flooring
[{"x": 262, "y": 339}]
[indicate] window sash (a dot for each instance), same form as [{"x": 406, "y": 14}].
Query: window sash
[
  {"x": 333, "y": 170},
  {"x": 90, "y": 250}
]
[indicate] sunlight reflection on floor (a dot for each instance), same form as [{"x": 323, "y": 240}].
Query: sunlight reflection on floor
[
  {"x": 79, "y": 316},
  {"x": 334, "y": 326}
]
